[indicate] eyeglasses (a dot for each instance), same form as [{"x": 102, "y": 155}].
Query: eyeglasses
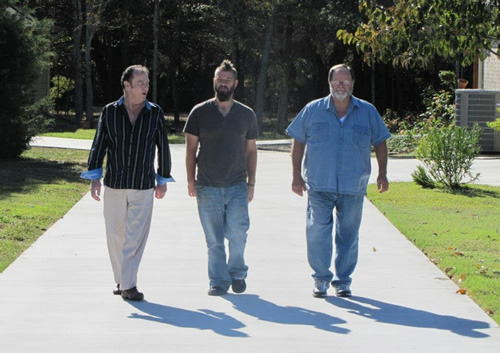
[
  {"x": 343, "y": 83},
  {"x": 140, "y": 84}
]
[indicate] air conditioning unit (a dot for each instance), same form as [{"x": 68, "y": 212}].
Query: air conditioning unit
[{"x": 479, "y": 106}]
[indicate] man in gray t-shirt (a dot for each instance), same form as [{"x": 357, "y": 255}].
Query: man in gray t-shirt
[{"x": 221, "y": 146}]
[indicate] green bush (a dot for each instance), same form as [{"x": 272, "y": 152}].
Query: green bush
[
  {"x": 447, "y": 154},
  {"x": 423, "y": 179},
  {"x": 408, "y": 128},
  {"x": 24, "y": 46},
  {"x": 440, "y": 111},
  {"x": 405, "y": 142},
  {"x": 495, "y": 125},
  {"x": 440, "y": 104}
]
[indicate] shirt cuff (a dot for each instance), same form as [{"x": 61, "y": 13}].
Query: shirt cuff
[
  {"x": 162, "y": 181},
  {"x": 93, "y": 174}
]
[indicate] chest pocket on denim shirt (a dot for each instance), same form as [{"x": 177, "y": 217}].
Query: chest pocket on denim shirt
[
  {"x": 361, "y": 135},
  {"x": 319, "y": 132}
]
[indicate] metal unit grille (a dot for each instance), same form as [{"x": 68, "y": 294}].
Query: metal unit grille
[{"x": 479, "y": 106}]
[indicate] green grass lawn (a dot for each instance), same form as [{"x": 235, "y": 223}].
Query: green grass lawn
[
  {"x": 88, "y": 134},
  {"x": 460, "y": 233},
  {"x": 35, "y": 192},
  {"x": 174, "y": 138},
  {"x": 81, "y": 134}
]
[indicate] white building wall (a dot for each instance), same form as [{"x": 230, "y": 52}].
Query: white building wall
[{"x": 491, "y": 71}]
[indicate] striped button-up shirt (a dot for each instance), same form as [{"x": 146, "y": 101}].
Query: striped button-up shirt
[{"x": 130, "y": 149}]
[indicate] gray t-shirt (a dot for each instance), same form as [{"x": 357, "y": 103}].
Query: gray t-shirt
[{"x": 221, "y": 157}]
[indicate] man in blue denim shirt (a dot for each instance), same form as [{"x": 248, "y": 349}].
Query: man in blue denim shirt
[{"x": 338, "y": 131}]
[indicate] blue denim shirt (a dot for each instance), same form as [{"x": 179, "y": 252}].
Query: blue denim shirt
[{"x": 337, "y": 156}]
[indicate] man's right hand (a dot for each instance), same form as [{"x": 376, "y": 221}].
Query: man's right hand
[
  {"x": 95, "y": 189},
  {"x": 298, "y": 186}
]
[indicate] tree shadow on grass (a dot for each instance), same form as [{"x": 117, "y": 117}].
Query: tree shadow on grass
[
  {"x": 405, "y": 316},
  {"x": 203, "y": 319},
  {"x": 253, "y": 305},
  {"x": 27, "y": 174},
  {"x": 474, "y": 192}
]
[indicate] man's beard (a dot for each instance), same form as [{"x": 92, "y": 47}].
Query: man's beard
[
  {"x": 340, "y": 96},
  {"x": 224, "y": 96}
]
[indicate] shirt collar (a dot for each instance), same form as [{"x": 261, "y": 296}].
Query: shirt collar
[{"x": 121, "y": 100}]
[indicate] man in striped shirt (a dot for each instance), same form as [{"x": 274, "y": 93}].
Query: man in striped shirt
[{"x": 129, "y": 132}]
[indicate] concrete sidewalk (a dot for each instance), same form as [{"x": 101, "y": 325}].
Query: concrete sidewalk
[{"x": 57, "y": 296}]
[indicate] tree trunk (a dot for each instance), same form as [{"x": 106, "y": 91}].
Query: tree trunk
[
  {"x": 373, "y": 83},
  {"x": 77, "y": 60},
  {"x": 239, "y": 94},
  {"x": 154, "y": 76},
  {"x": 93, "y": 10},
  {"x": 282, "y": 120},
  {"x": 89, "y": 92},
  {"x": 261, "y": 80},
  {"x": 175, "y": 65}
]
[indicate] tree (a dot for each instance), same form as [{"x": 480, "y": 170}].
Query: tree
[
  {"x": 411, "y": 33},
  {"x": 26, "y": 40},
  {"x": 77, "y": 59},
  {"x": 154, "y": 76},
  {"x": 94, "y": 10},
  {"x": 261, "y": 79}
]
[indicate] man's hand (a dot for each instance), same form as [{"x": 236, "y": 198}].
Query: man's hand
[
  {"x": 382, "y": 184},
  {"x": 160, "y": 191},
  {"x": 298, "y": 186},
  {"x": 95, "y": 189},
  {"x": 382, "y": 155},
  {"x": 251, "y": 190},
  {"x": 192, "y": 188}
]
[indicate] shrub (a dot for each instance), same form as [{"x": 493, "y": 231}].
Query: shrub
[
  {"x": 25, "y": 42},
  {"x": 495, "y": 125},
  {"x": 440, "y": 111},
  {"x": 440, "y": 104},
  {"x": 447, "y": 154},
  {"x": 404, "y": 142},
  {"x": 423, "y": 179}
]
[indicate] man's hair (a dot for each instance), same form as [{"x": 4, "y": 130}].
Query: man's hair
[
  {"x": 129, "y": 72},
  {"x": 340, "y": 66},
  {"x": 227, "y": 65}
]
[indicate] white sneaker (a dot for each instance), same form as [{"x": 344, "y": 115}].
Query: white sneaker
[
  {"x": 342, "y": 290},
  {"x": 320, "y": 288}
]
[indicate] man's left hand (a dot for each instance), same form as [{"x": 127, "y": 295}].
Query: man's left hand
[
  {"x": 251, "y": 190},
  {"x": 382, "y": 184},
  {"x": 160, "y": 191}
]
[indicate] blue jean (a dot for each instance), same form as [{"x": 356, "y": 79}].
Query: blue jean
[
  {"x": 319, "y": 227},
  {"x": 224, "y": 215}
]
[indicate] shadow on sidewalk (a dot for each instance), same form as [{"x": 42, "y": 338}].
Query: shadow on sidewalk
[
  {"x": 203, "y": 319},
  {"x": 253, "y": 305},
  {"x": 404, "y": 316}
]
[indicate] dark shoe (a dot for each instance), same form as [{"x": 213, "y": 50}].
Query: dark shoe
[
  {"x": 239, "y": 285},
  {"x": 117, "y": 290},
  {"x": 132, "y": 294},
  {"x": 216, "y": 291}
]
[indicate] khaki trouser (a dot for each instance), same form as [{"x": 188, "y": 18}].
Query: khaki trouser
[{"x": 127, "y": 214}]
